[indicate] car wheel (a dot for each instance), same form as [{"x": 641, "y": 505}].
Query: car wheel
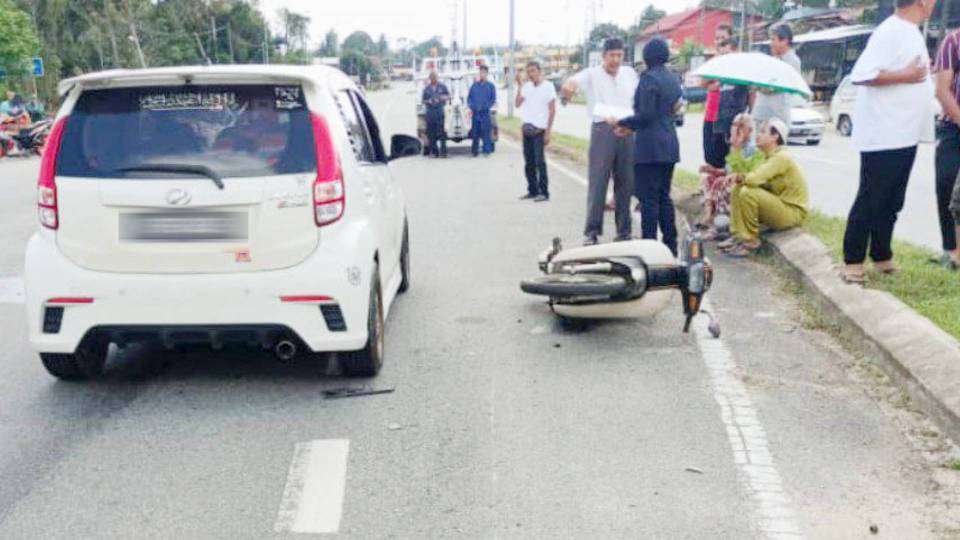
[
  {"x": 405, "y": 259},
  {"x": 368, "y": 361},
  {"x": 86, "y": 363},
  {"x": 845, "y": 126}
]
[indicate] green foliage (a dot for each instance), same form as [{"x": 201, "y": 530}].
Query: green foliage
[
  {"x": 688, "y": 50},
  {"x": 330, "y": 46},
  {"x": 360, "y": 41},
  {"x": 18, "y": 39},
  {"x": 604, "y": 31}
]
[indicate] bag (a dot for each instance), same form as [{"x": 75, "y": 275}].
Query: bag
[{"x": 530, "y": 130}]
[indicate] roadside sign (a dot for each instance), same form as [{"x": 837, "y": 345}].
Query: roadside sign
[{"x": 37, "y": 67}]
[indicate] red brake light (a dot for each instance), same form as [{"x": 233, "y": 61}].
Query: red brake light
[
  {"x": 70, "y": 300},
  {"x": 329, "y": 197},
  {"x": 309, "y": 299},
  {"x": 46, "y": 182}
]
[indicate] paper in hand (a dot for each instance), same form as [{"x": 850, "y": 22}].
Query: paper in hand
[{"x": 601, "y": 110}]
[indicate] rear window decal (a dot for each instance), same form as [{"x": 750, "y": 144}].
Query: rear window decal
[
  {"x": 183, "y": 101},
  {"x": 288, "y": 98}
]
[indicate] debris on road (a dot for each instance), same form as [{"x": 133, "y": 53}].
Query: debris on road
[
  {"x": 874, "y": 529},
  {"x": 696, "y": 470},
  {"x": 349, "y": 391}
]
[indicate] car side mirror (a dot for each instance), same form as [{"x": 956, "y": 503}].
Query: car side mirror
[{"x": 402, "y": 146}]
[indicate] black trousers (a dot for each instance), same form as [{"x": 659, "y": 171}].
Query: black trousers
[
  {"x": 948, "y": 165},
  {"x": 656, "y": 207},
  {"x": 536, "y": 165},
  {"x": 883, "y": 186},
  {"x": 436, "y": 134},
  {"x": 715, "y": 147}
]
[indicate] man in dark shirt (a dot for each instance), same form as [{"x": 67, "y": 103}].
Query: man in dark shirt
[
  {"x": 435, "y": 97},
  {"x": 482, "y": 98}
]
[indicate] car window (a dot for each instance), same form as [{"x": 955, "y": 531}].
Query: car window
[
  {"x": 373, "y": 130},
  {"x": 356, "y": 130},
  {"x": 235, "y": 130}
]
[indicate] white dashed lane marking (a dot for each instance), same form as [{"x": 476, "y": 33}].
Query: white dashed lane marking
[
  {"x": 11, "y": 290},
  {"x": 313, "y": 497}
]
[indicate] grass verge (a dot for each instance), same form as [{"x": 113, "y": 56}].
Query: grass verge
[{"x": 926, "y": 287}]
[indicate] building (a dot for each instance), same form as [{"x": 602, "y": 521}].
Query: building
[
  {"x": 553, "y": 59},
  {"x": 697, "y": 25}
]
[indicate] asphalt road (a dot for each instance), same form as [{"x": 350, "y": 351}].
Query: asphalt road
[
  {"x": 502, "y": 424},
  {"x": 832, "y": 171}
]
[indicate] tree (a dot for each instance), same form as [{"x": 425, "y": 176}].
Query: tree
[
  {"x": 652, "y": 15},
  {"x": 383, "y": 48},
  {"x": 18, "y": 39},
  {"x": 688, "y": 51},
  {"x": 361, "y": 42},
  {"x": 330, "y": 45},
  {"x": 604, "y": 31}
]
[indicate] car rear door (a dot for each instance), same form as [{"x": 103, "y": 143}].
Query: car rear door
[
  {"x": 372, "y": 167},
  {"x": 186, "y": 179}
]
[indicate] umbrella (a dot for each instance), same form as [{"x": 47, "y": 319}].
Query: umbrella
[{"x": 754, "y": 69}]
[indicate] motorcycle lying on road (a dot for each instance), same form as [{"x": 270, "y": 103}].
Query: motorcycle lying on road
[
  {"x": 23, "y": 138},
  {"x": 623, "y": 280}
]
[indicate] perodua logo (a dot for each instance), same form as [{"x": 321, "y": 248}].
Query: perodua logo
[{"x": 179, "y": 197}]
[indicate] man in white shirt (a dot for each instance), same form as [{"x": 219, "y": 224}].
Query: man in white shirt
[
  {"x": 892, "y": 115},
  {"x": 767, "y": 103},
  {"x": 611, "y": 86},
  {"x": 537, "y": 100}
]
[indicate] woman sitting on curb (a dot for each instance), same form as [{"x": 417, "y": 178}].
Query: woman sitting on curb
[
  {"x": 718, "y": 183},
  {"x": 774, "y": 194}
]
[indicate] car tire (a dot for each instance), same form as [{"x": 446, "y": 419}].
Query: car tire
[
  {"x": 405, "y": 259},
  {"x": 367, "y": 361},
  {"x": 566, "y": 285},
  {"x": 845, "y": 125},
  {"x": 86, "y": 363}
]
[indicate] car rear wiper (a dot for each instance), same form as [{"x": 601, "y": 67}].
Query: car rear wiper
[{"x": 201, "y": 170}]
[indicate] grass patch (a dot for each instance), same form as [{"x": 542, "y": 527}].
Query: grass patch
[
  {"x": 696, "y": 107},
  {"x": 953, "y": 465},
  {"x": 927, "y": 288}
]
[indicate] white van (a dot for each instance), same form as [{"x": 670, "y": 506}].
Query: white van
[{"x": 216, "y": 205}]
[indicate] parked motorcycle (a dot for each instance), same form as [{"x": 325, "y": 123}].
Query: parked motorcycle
[
  {"x": 21, "y": 137},
  {"x": 624, "y": 280}
]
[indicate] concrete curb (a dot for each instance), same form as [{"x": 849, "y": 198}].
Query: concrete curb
[{"x": 918, "y": 355}]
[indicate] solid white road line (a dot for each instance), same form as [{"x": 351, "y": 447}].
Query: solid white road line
[
  {"x": 313, "y": 497},
  {"x": 12, "y": 290},
  {"x": 751, "y": 452},
  {"x": 553, "y": 164}
]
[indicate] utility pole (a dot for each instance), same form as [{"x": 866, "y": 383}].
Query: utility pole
[
  {"x": 743, "y": 26},
  {"x": 266, "y": 42},
  {"x": 136, "y": 42},
  {"x": 511, "y": 71},
  {"x": 203, "y": 51},
  {"x": 465, "y": 25},
  {"x": 233, "y": 59},
  {"x": 213, "y": 38}
]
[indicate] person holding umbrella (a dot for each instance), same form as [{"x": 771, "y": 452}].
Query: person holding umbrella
[{"x": 656, "y": 147}]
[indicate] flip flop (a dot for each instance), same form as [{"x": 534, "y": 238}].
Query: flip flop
[
  {"x": 740, "y": 252},
  {"x": 851, "y": 278},
  {"x": 728, "y": 244}
]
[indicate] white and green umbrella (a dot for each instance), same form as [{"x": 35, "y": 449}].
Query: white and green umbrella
[{"x": 754, "y": 69}]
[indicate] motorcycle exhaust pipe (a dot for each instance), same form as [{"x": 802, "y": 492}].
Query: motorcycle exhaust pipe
[{"x": 285, "y": 351}]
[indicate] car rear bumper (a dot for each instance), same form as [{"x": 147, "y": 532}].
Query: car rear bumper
[
  {"x": 804, "y": 134},
  {"x": 163, "y": 303}
]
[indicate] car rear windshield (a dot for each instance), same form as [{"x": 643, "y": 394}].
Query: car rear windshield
[{"x": 234, "y": 130}]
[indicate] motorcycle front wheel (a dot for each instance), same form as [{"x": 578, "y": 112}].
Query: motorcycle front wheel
[{"x": 565, "y": 285}]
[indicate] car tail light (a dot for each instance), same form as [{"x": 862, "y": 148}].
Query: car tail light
[
  {"x": 46, "y": 183},
  {"x": 329, "y": 197},
  {"x": 70, "y": 300},
  {"x": 305, "y": 299}
]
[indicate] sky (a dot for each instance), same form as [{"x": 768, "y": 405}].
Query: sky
[{"x": 560, "y": 22}]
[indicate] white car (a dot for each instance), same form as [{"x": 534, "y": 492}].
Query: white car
[
  {"x": 841, "y": 107},
  {"x": 224, "y": 205},
  {"x": 806, "y": 124}
]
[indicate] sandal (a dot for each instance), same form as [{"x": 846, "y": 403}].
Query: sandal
[
  {"x": 713, "y": 235},
  {"x": 853, "y": 278},
  {"x": 887, "y": 270},
  {"x": 727, "y": 244},
  {"x": 742, "y": 251}
]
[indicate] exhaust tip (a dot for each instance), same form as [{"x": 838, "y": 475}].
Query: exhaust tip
[{"x": 285, "y": 350}]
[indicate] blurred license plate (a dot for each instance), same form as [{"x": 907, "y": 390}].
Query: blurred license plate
[{"x": 183, "y": 226}]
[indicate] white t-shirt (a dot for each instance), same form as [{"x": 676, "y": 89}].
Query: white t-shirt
[
  {"x": 899, "y": 115},
  {"x": 601, "y": 88},
  {"x": 536, "y": 103}
]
